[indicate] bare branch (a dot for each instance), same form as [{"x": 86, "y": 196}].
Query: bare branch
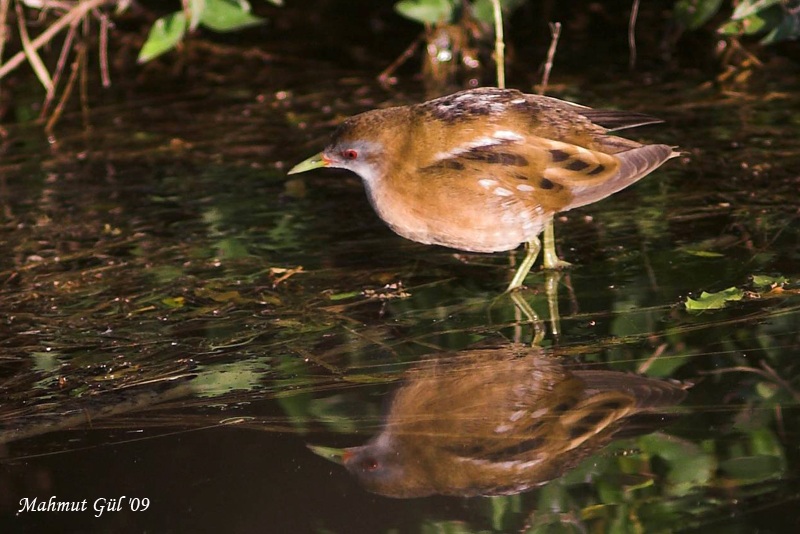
[
  {"x": 76, "y": 13},
  {"x": 60, "y": 66},
  {"x": 632, "y": 34},
  {"x": 27, "y": 49},
  {"x": 555, "y": 33},
  {"x": 105, "y": 75}
]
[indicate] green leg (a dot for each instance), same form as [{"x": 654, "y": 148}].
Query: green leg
[
  {"x": 525, "y": 267},
  {"x": 533, "y": 319},
  {"x": 551, "y": 288},
  {"x": 551, "y": 260}
]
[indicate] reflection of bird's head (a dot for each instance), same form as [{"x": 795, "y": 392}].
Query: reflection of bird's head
[
  {"x": 500, "y": 421},
  {"x": 380, "y": 468}
]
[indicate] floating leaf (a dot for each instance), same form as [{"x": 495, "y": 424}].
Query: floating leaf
[
  {"x": 344, "y": 296},
  {"x": 165, "y": 33},
  {"x": 228, "y": 15},
  {"x": 760, "y": 280},
  {"x": 426, "y": 11},
  {"x": 174, "y": 302},
  {"x": 714, "y": 301}
]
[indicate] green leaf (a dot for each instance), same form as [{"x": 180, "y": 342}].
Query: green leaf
[
  {"x": 751, "y": 7},
  {"x": 750, "y": 25},
  {"x": 760, "y": 280},
  {"x": 765, "y": 20},
  {"x": 426, "y": 11},
  {"x": 695, "y": 13},
  {"x": 174, "y": 302},
  {"x": 228, "y": 15},
  {"x": 753, "y": 468},
  {"x": 689, "y": 466},
  {"x": 165, "y": 33},
  {"x": 714, "y": 301}
]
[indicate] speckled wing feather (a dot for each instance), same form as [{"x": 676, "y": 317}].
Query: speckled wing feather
[
  {"x": 589, "y": 182},
  {"x": 545, "y": 175}
]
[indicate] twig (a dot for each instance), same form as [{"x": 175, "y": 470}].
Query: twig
[
  {"x": 645, "y": 365},
  {"x": 60, "y": 66},
  {"x": 76, "y": 13},
  {"x": 84, "y": 79},
  {"x": 73, "y": 76},
  {"x": 555, "y": 33},
  {"x": 385, "y": 77},
  {"x": 33, "y": 57},
  {"x": 766, "y": 371},
  {"x": 632, "y": 34},
  {"x": 499, "y": 45},
  {"x": 105, "y": 23}
]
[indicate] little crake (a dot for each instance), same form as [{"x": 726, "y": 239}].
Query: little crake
[{"x": 485, "y": 170}]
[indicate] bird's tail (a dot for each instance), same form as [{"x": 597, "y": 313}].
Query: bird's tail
[{"x": 634, "y": 164}]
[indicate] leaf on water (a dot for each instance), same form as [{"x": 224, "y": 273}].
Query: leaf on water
[
  {"x": 174, "y": 302},
  {"x": 344, "y": 296},
  {"x": 426, "y": 11},
  {"x": 714, "y": 301},
  {"x": 165, "y": 33},
  {"x": 46, "y": 361},
  {"x": 228, "y": 15},
  {"x": 760, "y": 280}
]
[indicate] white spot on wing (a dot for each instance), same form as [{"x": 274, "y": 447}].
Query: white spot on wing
[
  {"x": 480, "y": 142},
  {"x": 525, "y": 187},
  {"x": 508, "y": 135},
  {"x": 486, "y": 183},
  {"x": 502, "y": 192}
]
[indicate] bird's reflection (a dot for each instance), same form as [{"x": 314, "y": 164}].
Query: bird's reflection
[{"x": 498, "y": 421}]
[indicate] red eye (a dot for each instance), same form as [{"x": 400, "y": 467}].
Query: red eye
[
  {"x": 370, "y": 464},
  {"x": 349, "y": 154}
]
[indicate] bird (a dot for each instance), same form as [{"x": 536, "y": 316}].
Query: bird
[
  {"x": 487, "y": 169},
  {"x": 499, "y": 421}
]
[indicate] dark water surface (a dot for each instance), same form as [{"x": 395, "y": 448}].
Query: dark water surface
[{"x": 180, "y": 319}]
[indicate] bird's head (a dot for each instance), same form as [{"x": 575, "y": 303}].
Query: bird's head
[{"x": 363, "y": 144}]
